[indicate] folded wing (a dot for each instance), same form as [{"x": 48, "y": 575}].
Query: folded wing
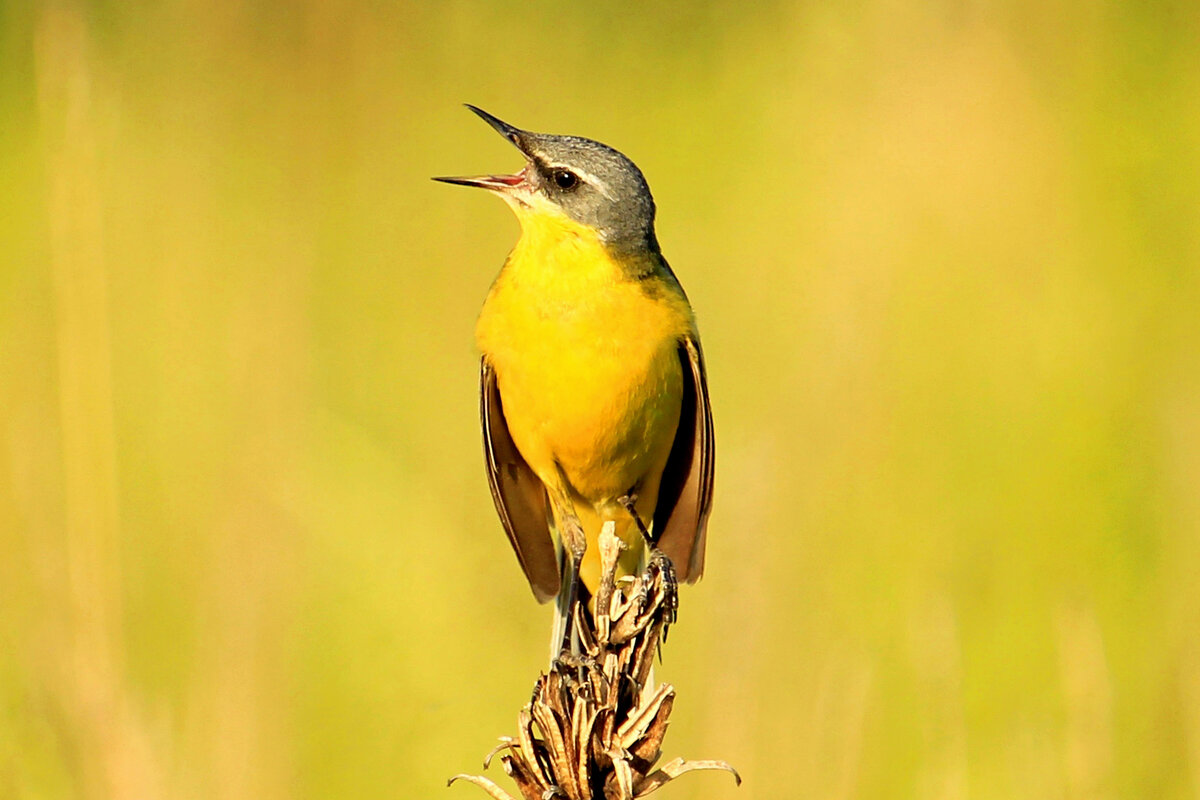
[
  {"x": 518, "y": 493},
  {"x": 685, "y": 494}
]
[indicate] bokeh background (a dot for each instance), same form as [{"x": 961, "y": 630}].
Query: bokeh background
[{"x": 946, "y": 262}]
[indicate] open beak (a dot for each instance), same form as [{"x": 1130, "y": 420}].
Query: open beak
[{"x": 496, "y": 183}]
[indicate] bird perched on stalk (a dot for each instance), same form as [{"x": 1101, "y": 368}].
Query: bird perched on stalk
[{"x": 594, "y": 400}]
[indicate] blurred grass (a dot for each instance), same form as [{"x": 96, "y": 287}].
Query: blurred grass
[{"x": 945, "y": 260}]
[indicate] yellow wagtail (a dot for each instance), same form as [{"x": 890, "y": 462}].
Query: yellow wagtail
[{"x": 594, "y": 400}]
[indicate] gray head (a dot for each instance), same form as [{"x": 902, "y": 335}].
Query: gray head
[{"x": 587, "y": 181}]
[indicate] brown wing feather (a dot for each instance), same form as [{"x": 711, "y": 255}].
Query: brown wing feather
[
  {"x": 518, "y": 493},
  {"x": 685, "y": 494}
]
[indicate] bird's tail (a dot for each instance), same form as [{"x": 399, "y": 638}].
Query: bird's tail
[{"x": 561, "y": 611}]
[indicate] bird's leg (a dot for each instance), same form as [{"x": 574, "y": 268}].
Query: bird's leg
[
  {"x": 658, "y": 561},
  {"x": 629, "y": 503}
]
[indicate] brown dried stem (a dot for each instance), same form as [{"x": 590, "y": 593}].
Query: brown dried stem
[{"x": 594, "y": 727}]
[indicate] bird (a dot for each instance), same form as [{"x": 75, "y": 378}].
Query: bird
[{"x": 594, "y": 401}]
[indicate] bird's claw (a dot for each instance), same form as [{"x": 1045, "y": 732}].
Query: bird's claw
[{"x": 660, "y": 564}]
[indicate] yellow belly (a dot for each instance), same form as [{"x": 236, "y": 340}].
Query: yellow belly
[
  {"x": 599, "y": 413},
  {"x": 587, "y": 365}
]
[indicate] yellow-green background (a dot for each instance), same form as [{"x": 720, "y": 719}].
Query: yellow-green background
[{"x": 946, "y": 263}]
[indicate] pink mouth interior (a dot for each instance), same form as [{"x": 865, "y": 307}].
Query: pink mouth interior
[{"x": 509, "y": 180}]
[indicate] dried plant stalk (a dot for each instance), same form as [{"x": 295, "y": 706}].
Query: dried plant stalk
[{"x": 594, "y": 727}]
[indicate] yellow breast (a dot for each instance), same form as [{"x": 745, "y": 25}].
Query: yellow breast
[{"x": 585, "y": 358}]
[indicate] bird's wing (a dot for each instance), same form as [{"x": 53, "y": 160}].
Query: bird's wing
[
  {"x": 518, "y": 493},
  {"x": 685, "y": 494}
]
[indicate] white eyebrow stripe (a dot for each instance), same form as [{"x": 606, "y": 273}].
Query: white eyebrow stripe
[{"x": 589, "y": 177}]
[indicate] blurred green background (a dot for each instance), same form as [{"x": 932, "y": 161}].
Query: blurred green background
[{"x": 946, "y": 262}]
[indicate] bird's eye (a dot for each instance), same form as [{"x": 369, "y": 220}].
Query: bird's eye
[{"x": 564, "y": 179}]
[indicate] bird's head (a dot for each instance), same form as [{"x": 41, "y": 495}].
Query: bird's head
[{"x": 583, "y": 180}]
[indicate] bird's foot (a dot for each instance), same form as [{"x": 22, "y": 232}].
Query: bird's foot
[
  {"x": 660, "y": 564},
  {"x": 576, "y": 671}
]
